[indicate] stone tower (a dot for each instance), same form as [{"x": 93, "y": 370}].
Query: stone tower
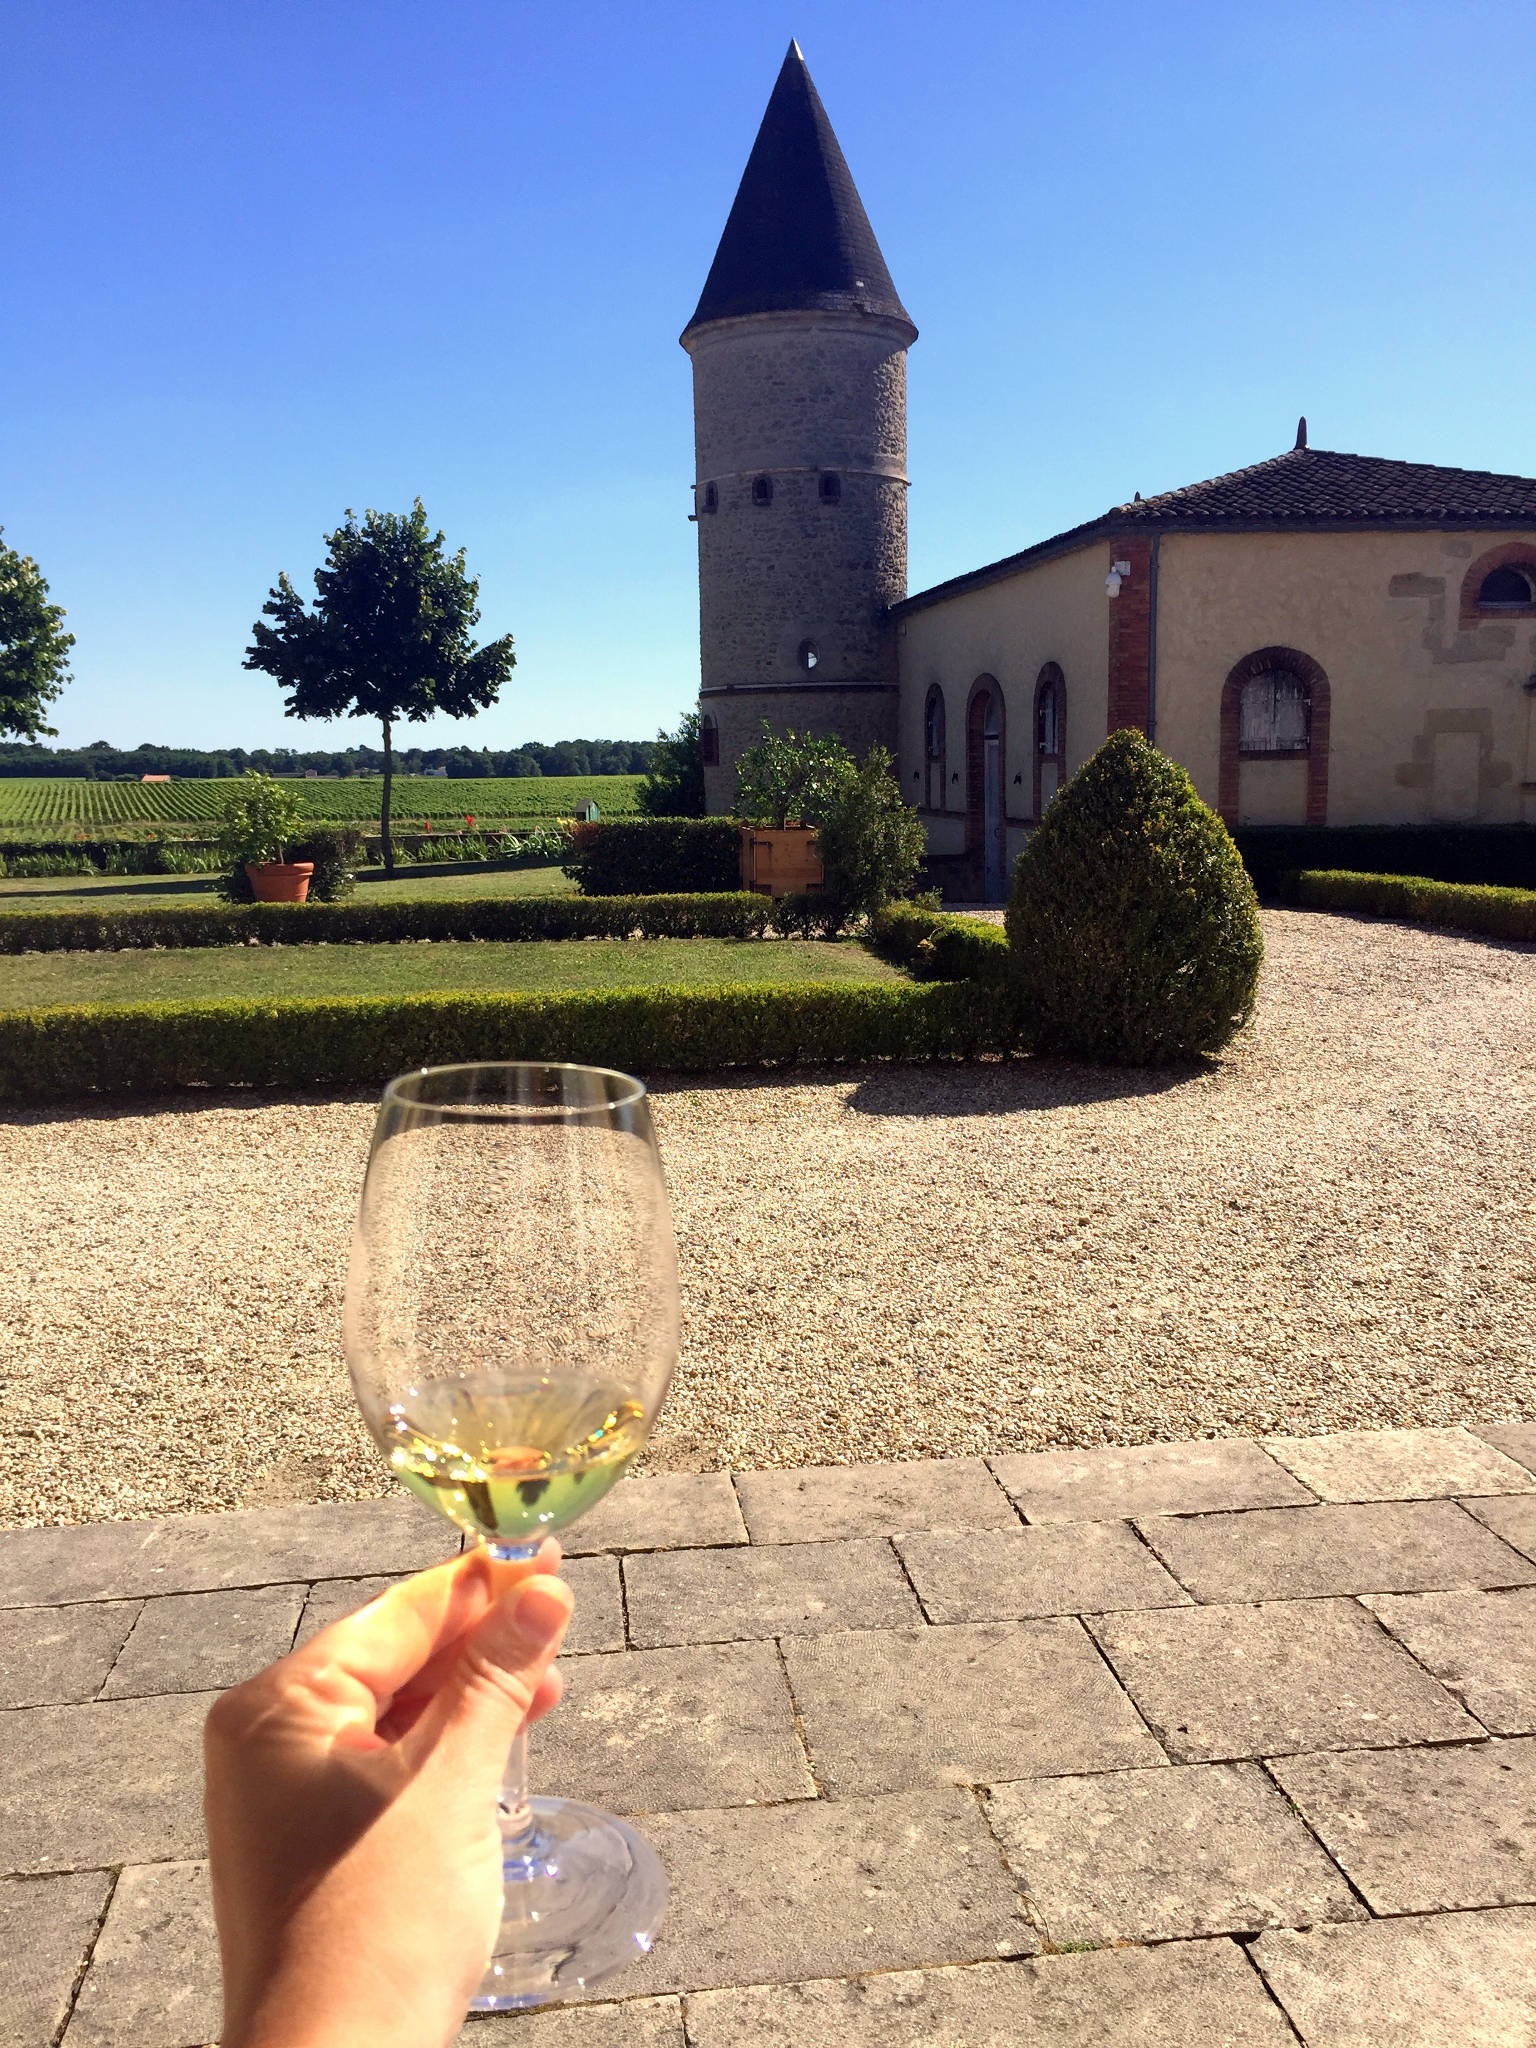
[{"x": 800, "y": 433}]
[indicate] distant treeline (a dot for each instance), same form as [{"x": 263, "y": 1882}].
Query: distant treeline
[{"x": 101, "y": 763}]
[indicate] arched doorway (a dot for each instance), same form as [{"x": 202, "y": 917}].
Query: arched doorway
[{"x": 985, "y": 823}]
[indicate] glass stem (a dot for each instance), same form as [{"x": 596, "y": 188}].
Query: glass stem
[{"x": 516, "y": 1814}]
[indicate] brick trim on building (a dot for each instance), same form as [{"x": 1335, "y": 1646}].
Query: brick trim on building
[
  {"x": 1050, "y": 674},
  {"x": 1130, "y": 635},
  {"x": 1318, "y": 721},
  {"x": 1517, "y": 554}
]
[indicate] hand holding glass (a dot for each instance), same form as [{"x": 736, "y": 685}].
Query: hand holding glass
[{"x": 511, "y": 1327}]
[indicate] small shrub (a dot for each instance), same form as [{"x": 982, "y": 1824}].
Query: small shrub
[
  {"x": 789, "y": 778},
  {"x": 260, "y": 818},
  {"x": 935, "y": 947},
  {"x": 1133, "y": 929},
  {"x": 871, "y": 843},
  {"x": 333, "y": 851}
]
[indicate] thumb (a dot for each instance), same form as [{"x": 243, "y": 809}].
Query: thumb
[{"x": 486, "y": 1695}]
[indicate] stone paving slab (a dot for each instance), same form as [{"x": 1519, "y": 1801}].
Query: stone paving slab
[
  {"x": 1462, "y": 1980},
  {"x": 1398, "y": 1464},
  {"x": 887, "y": 1708},
  {"x": 1188, "y": 1995},
  {"x": 154, "y": 1976},
  {"x": 672, "y": 1511},
  {"x": 205, "y": 1553},
  {"x": 1516, "y": 1440},
  {"x": 796, "y": 1589},
  {"x": 332, "y": 1599},
  {"x": 1425, "y": 1830},
  {"x": 1481, "y": 1646},
  {"x": 50, "y": 1656},
  {"x": 46, "y": 1926},
  {"x": 651, "y": 1731},
  {"x": 194, "y": 1642},
  {"x": 1228, "y": 1682},
  {"x": 637, "y": 2023},
  {"x": 119, "y": 1781},
  {"x": 1016, "y": 1574},
  {"x": 822, "y": 1503},
  {"x": 1124, "y": 1482},
  {"x": 768, "y": 1894},
  {"x": 1161, "y": 1855},
  {"x": 1411, "y": 1546},
  {"x": 1513, "y": 1518}
]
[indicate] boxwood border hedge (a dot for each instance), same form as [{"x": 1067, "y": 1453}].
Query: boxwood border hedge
[
  {"x": 153, "y": 1048},
  {"x": 738, "y": 915},
  {"x": 1465, "y": 906}
]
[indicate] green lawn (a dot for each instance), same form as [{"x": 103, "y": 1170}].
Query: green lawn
[
  {"x": 33, "y": 980},
  {"x": 158, "y": 892}
]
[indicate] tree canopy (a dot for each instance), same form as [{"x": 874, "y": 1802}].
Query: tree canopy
[
  {"x": 674, "y": 783},
  {"x": 389, "y": 635},
  {"x": 34, "y": 648}
]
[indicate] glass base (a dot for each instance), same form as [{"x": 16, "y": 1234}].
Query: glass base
[{"x": 584, "y": 1896}]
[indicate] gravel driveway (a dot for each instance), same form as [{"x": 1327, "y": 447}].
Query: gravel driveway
[{"x": 1332, "y": 1229}]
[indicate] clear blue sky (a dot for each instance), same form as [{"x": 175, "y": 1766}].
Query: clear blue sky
[{"x": 264, "y": 262}]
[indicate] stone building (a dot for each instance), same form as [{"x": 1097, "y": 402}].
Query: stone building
[{"x": 1320, "y": 639}]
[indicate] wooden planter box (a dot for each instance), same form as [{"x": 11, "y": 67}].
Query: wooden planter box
[{"x": 780, "y": 861}]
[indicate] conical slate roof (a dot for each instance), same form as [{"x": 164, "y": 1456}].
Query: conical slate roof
[{"x": 798, "y": 238}]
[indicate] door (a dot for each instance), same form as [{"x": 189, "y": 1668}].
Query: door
[{"x": 992, "y": 827}]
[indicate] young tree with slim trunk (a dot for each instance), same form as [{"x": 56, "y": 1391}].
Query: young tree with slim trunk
[
  {"x": 388, "y": 636},
  {"x": 34, "y": 648}
]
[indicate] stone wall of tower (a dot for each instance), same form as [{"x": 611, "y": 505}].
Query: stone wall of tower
[{"x": 794, "y": 397}]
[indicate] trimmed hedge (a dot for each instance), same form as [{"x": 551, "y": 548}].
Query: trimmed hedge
[
  {"x": 643, "y": 856},
  {"x": 1499, "y": 913},
  {"x": 148, "y": 1048},
  {"x": 935, "y": 947},
  {"x": 737, "y": 916},
  {"x": 1502, "y": 856}
]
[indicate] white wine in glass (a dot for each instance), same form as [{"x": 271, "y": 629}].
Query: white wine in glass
[{"x": 511, "y": 1328}]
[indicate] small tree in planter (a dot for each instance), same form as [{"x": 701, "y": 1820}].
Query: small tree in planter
[
  {"x": 1134, "y": 930},
  {"x": 260, "y": 819},
  {"x": 788, "y": 779}
]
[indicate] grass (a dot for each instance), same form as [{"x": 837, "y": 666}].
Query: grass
[
  {"x": 353, "y": 801},
  {"x": 36, "y": 980},
  {"x": 159, "y": 892}
]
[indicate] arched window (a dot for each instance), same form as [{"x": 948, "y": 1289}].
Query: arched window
[
  {"x": 711, "y": 497},
  {"x": 1499, "y": 584},
  {"x": 830, "y": 487},
  {"x": 1511, "y": 584},
  {"x": 933, "y": 750},
  {"x": 809, "y": 655},
  {"x": 709, "y": 741},
  {"x": 762, "y": 490},
  {"x": 1050, "y": 768},
  {"x": 1274, "y": 713},
  {"x": 1275, "y": 705}
]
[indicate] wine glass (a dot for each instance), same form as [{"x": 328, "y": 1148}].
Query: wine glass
[{"x": 511, "y": 1327}]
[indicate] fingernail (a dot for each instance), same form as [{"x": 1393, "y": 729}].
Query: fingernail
[{"x": 527, "y": 1623}]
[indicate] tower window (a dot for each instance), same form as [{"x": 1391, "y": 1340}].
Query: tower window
[
  {"x": 1510, "y": 585},
  {"x": 762, "y": 490},
  {"x": 809, "y": 655},
  {"x": 709, "y": 741},
  {"x": 830, "y": 486},
  {"x": 711, "y": 497}
]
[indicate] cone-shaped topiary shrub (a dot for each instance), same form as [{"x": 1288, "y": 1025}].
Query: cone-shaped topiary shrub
[{"x": 1134, "y": 930}]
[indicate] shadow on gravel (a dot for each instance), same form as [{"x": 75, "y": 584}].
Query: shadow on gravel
[{"x": 1036, "y": 1084}]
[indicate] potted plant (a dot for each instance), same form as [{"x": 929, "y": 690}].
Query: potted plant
[
  {"x": 784, "y": 785},
  {"x": 260, "y": 818}
]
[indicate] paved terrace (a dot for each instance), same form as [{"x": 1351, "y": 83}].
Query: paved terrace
[{"x": 1207, "y": 1745}]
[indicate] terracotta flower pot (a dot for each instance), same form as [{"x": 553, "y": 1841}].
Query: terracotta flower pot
[{"x": 280, "y": 881}]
